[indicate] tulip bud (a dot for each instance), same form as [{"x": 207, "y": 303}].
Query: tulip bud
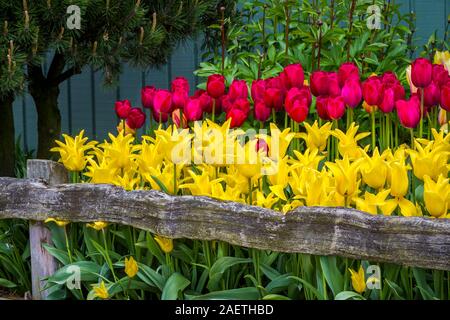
[
  {"x": 180, "y": 98},
  {"x": 299, "y": 110},
  {"x": 346, "y": 72},
  {"x": 335, "y": 107},
  {"x": 431, "y": 95},
  {"x": 387, "y": 100},
  {"x": 162, "y": 102},
  {"x": 147, "y": 95},
  {"x": 371, "y": 90},
  {"x": 237, "y": 116},
  {"x": 122, "y": 108},
  {"x": 180, "y": 83},
  {"x": 193, "y": 110},
  {"x": 421, "y": 72},
  {"x": 352, "y": 93},
  {"x": 180, "y": 123},
  {"x": 293, "y": 76},
  {"x": 262, "y": 112},
  {"x": 136, "y": 118},
  {"x": 321, "y": 107},
  {"x": 215, "y": 86},
  {"x": 238, "y": 89},
  {"x": 409, "y": 111},
  {"x": 445, "y": 97},
  {"x": 257, "y": 90},
  {"x": 440, "y": 75}
]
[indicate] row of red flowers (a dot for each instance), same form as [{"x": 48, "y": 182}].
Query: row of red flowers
[{"x": 334, "y": 91}]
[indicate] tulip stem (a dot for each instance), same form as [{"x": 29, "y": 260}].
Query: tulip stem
[
  {"x": 421, "y": 112},
  {"x": 411, "y": 131},
  {"x": 250, "y": 200},
  {"x": 388, "y": 131},
  {"x": 274, "y": 116},
  {"x": 213, "y": 110},
  {"x": 373, "y": 130}
]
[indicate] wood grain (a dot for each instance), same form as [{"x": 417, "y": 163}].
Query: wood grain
[{"x": 412, "y": 241}]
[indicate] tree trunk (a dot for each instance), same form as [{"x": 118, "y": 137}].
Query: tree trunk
[
  {"x": 45, "y": 95},
  {"x": 7, "y": 140}
]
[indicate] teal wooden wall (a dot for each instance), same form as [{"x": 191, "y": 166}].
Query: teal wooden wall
[{"x": 85, "y": 103}]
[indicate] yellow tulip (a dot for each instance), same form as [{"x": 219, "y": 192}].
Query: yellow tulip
[
  {"x": 398, "y": 179},
  {"x": 348, "y": 141},
  {"x": 72, "y": 152},
  {"x": 128, "y": 130},
  {"x": 345, "y": 175},
  {"x": 443, "y": 57},
  {"x": 119, "y": 150},
  {"x": 316, "y": 137},
  {"x": 429, "y": 160},
  {"x": 59, "y": 223},
  {"x": 98, "y": 225},
  {"x": 131, "y": 267},
  {"x": 101, "y": 171},
  {"x": 358, "y": 280},
  {"x": 279, "y": 141},
  {"x": 372, "y": 202},
  {"x": 166, "y": 244},
  {"x": 437, "y": 196},
  {"x": 374, "y": 170},
  {"x": 101, "y": 291}
]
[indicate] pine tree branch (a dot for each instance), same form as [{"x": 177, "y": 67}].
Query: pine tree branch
[{"x": 65, "y": 75}]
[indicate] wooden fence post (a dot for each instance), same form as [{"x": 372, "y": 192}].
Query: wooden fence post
[{"x": 42, "y": 263}]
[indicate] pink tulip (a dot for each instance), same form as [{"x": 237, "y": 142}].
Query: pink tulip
[
  {"x": 147, "y": 95},
  {"x": 136, "y": 118},
  {"x": 421, "y": 72},
  {"x": 180, "y": 83},
  {"x": 293, "y": 76},
  {"x": 346, "y": 72},
  {"x": 215, "y": 86},
  {"x": 262, "y": 112},
  {"x": 335, "y": 107},
  {"x": 122, "y": 108},
  {"x": 257, "y": 90},
  {"x": 237, "y": 116},
  {"x": 238, "y": 89},
  {"x": 193, "y": 110},
  {"x": 409, "y": 111},
  {"x": 371, "y": 90},
  {"x": 352, "y": 93}
]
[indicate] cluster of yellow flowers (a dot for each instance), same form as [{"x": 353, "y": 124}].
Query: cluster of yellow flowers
[{"x": 404, "y": 181}]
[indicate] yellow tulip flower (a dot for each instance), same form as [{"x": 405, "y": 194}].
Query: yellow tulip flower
[
  {"x": 101, "y": 291},
  {"x": 374, "y": 170},
  {"x": 279, "y": 142},
  {"x": 443, "y": 57},
  {"x": 358, "y": 280},
  {"x": 98, "y": 225},
  {"x": 348, "y": 141},
  {"x": 131, "y": 267},
  {"x": 128, "y": 181},
  {"x": 201, "y": 185},
  {"x": 398, "y": 179},
  {"x": 119, "y": 150},
  {"x": 372, "y": 202},
  {"x": 72, "y": 152},
  {"x": 437, "y": 196},
  {"x": 166, "y": 244},
  {"x": 429, "y": 160},
  {"x": 316, "y": 137},
  {"x": 59, "y": 223},
  {"x": 101, "y": 172},
  {"x": 345, "y": 175}
]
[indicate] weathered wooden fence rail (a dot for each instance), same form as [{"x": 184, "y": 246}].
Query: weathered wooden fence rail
[{"x": 420, "y": 242}]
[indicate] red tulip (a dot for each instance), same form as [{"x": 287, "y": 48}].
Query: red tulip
[
  {"x": 352, "y": 93},
  {"x": 257, "y": 90},
  {"x": 390, "y": 80},
  {"x": 297, "y": 94},
  {"x": 293, "y": 76},
  {"x": 325, "y": 84},
  {"x": 432, "y": 95},
  {"x": 162, "y": 103},
  {"x": 193, "y": 110},
  {"x": 321, "y": 107},
  {"x": 335, "y": 107},
  {"x": 205, "y": 100},
  {"x": 273, "y": 98},
  {"x": 262, "y": 112},
  {"x": 421, "y": 72},
  {"x": 371, "y": 90},
  {"x": 122, "y": 108},
  {"x": 242, "y": 104},
  {"x": 147, "y": 95},
  {"x": 136, "y": 118},
  {"x": 445, "y": 97},
  {"x": 409, "y": 111},
  {"x": 226, "y": 103},
  {"x": 387, "y": 100},
  {"x": 215, "y": 86},
  {"x": 346, "y": 72},
  {"x": 237, "y": 116},
  {"x": 440, "y": 75},
  {"x": 238, "y": 89},
  {"x": 319, "y": 83},
  {"x": 180, "y": 83},
  {"x": 180, "y": 98},
  {"x": 299, "y": 110}
]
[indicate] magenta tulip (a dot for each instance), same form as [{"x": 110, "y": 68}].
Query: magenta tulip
[
  {"x": 352, "y": 93},
  {"x": 421, "y": 72},
  {"x": 409, "y": 111},
  {"x": 136, "y": 118},
  {"x": 147, "y": 95},
  {"x": 215, "y": 86},
  {"x": 346, "y": 72}
]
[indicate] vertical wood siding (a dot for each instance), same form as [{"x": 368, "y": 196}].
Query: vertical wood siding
[{"x": 86, "y": 104}]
